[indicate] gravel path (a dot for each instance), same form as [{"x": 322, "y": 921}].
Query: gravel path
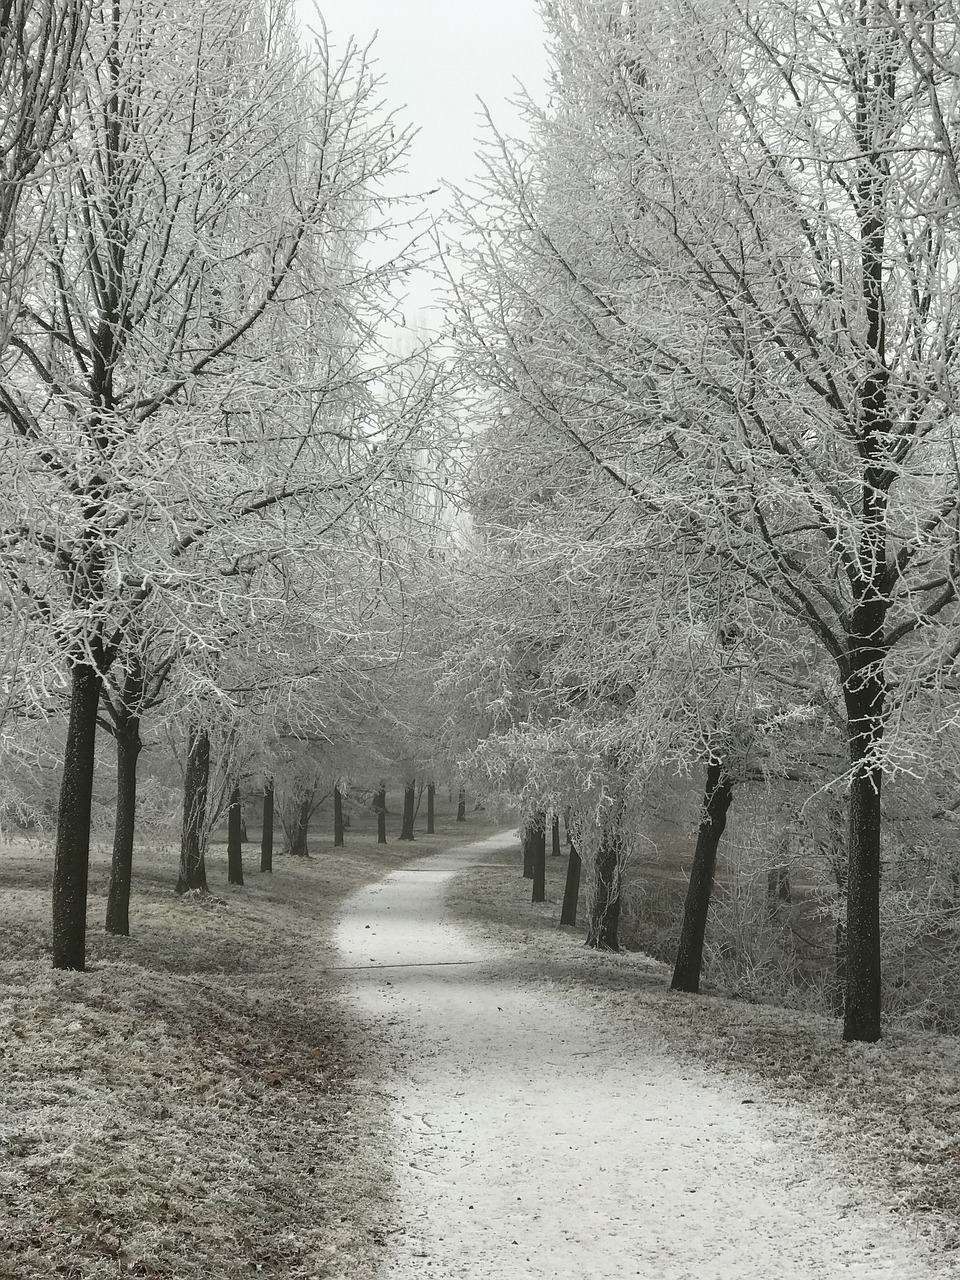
[{"x": 534, "y": 1140}]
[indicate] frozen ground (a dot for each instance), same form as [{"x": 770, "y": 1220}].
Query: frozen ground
[{"x": 534, "y": 1138}]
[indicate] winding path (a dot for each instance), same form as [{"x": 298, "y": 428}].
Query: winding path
[{"x": 535, "y": 1140}]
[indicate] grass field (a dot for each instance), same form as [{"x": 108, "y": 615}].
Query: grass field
[{"x": 187, "y": 1107}]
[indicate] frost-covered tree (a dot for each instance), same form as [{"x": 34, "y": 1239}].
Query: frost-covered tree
[
  {"x": 40, "y": 42},
  {"x": 725, "y": 272},
  {"x": 189, "y": 382}
]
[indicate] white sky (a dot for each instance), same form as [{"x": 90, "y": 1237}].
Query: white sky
[{"x": 436, "y": 57}]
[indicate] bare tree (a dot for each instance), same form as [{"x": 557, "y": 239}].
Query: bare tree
[
  {"x": 726, "y": 275},
  {"x": 183, "y": 370},
  {"x": 40, "y": 42}
]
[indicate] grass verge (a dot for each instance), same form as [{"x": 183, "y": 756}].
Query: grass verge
[{"x": 188, "y": 1106}]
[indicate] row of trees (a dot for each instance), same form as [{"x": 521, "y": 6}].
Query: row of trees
[
  {"x": 213, "y": 459},
  {"x": 705, "y": 318},
  {"x": 710, "y": 310}
]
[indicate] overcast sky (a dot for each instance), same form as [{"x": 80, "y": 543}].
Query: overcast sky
[{"x": 436, "y": 57}]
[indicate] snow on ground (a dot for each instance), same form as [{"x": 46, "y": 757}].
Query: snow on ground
[{"x": 535, "y": 1139}]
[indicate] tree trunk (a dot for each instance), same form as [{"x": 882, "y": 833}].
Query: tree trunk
[
  {"x": 539, "y": 893},
  {"x": 127, "y": 732},
  {"x": 337, "y": 818},
  {"x": 862, "y": 664},
  {"x": 462, "y": 806},
  {"x": 555, "y": 836},
  {"x": 718, "y": 794},
  {"x": 861, "y": 946},
  {"x": 296, "y": 832},
  {"x": 72, "y": 855},
  {"x": 193, "y": 866},
  {"x": 409, "y": 799},
  {"x": 526, "y": 846},
  {"x": 234, "y": 842},
  {"x": 381, "y": 805},
  {"x": 266, "y": 836},
  {"x": 571, "y": 889},
  {"x": 431, "y": 795},
  {"x": 602, "y": 932}
]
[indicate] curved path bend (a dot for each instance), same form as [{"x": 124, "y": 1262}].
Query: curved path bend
[{"x": 533, "y": 1139}]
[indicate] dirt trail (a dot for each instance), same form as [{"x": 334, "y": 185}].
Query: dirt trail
[{"x": 533, "y": 1140}]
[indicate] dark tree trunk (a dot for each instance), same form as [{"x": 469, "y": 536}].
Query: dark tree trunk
[
  {"x": 718, "y": 794},
  {"x": 296, "y": 834},
  {"x": 778, "y": 889},
  {"x": 539, "y": 892},
  {"x": 571, "y": 889},
  {"x": 234, "y": 843},
  {"x": 462, "y": 806},
  {"x": 526, "y": 847},
  {"x": 603, "y": 930},
  {"x": 862, "y": 665},
  {"x": 381, "y": 806},
  {"x": 127, "y": 732},
  {"x": 337, "y": 818},
  {"x": 266, "y": 837},
  {"x": 861, "y": 946},
  {"x": 865, "y": 702},
  {"x": 72, "y": 855},
  {"x": 555, "y": 836},
  {"x": 193, "y": 866},
  {"x": 431, "y": 796},
  {"x": 409, "y": 801}
]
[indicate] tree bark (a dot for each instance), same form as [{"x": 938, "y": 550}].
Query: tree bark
[
  {"x": 718, "y": 793},
  {"x": 234, "y": 841},
  {"x": 72, "y": 853},
  {"x": 571, "y": 888},
  {"x": 864, "y": 683},
  {"x": 431, "y": 796},
  {"x": 381, "y": 805},
  {"x": 539, "y": 891},
  {"x": 296, "y": 833},
  {"x": 526, "y": 847},
  {"x": 193, "y": 866},
  {"x": 603, "y": 930},
  {"x": 337, "y": 818},
  {"x": 127, "y": 732},
  {"x": 861, "y": 945},
  {"x": 555, "y": 836},
  {"x": 462, "y": 806},
  {"x": 409, "y": 800},
  {"x": 266, "y": 836}
]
